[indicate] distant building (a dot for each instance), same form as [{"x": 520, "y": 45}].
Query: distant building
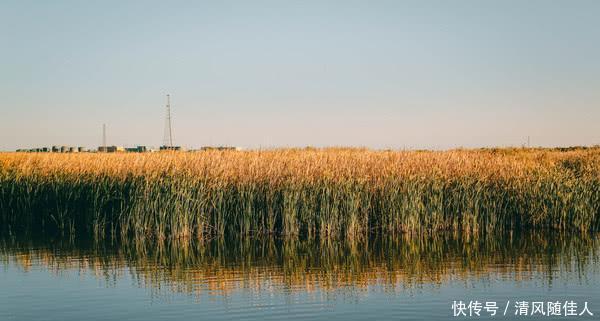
[
  {"x": 171, "y": 148},
  {"x": 219, "y": 148},
  {"x": 138, "y": 149},
  {"x": 53, "y": 149},
  {"x": 110, "y": 149}
]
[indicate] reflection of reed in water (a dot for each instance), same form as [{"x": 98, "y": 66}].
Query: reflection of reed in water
[{"x": 221, "y": 266}]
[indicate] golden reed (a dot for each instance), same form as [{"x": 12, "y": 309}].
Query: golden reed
[{"x": 300, "y": 192}]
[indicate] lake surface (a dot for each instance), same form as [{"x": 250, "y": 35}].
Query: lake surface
[{"x": 403, "y": 278}]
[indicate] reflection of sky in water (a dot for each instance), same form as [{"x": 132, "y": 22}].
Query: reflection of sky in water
[{"x": 290, "y": 281}]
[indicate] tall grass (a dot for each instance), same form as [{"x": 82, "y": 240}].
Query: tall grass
[{"x": 300, "y": 192}]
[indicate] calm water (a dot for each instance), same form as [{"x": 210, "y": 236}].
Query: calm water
[{"x": 405, "y": 278}]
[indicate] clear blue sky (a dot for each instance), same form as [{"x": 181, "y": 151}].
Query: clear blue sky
[{"x": 382, "y": 74}]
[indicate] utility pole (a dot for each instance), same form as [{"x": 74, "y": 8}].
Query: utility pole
[
  {"x": 528, "y": 142},
  {"x": 104, "y": 137}
]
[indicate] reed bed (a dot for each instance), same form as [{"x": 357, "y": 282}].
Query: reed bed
[{"x": 300, "y": 192}]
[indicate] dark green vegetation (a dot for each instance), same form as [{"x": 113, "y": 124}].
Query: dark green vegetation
[{"x": 300, "y": 193}]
